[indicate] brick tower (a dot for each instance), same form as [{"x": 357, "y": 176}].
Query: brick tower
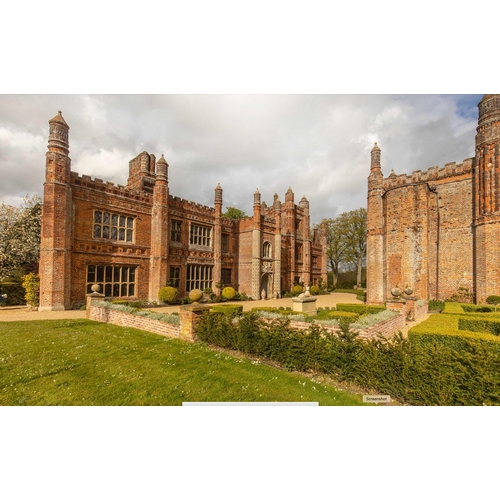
[
  {"x": 159, "y": 227},
  {"x": 375, "y": 293},
  {"x": 486, "y": 179},
  {"x": 256, "y": 243},
  {"x": 55, "y": 243}
]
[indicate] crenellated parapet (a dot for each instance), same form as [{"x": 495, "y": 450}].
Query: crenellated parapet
[
  {"x": 177, "y": 203},
  {"x": 96, "y": 184},
  {"x": 433, "y": 174}
]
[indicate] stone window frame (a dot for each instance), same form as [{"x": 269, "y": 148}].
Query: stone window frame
[
  {"x": 115, "y": 280},
  {"x": 200, "y": 235},
  {"x": 198, "y": 276},
  {"x": 175, "y": 276},
  {"x": 299, "y": 252},
  {"x": 113, "y": 226},
  {"x": 267, "y": 250},
  {"x": 226, "y": 275},
  {"x": 225, "y": 242},
  {"x": 176, "y": 230}
]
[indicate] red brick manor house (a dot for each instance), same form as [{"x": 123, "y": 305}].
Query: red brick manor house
[
  {"x": 134, "y": 239},
  {"x": 438, "y": 231}
]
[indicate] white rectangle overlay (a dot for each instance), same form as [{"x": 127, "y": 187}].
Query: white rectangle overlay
[{"x": 215, "y": 403}]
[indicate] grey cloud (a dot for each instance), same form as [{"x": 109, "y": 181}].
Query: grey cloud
[{"x": 317, "y": 144}]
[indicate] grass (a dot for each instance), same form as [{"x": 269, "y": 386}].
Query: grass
[{"x": 80, "y": 362}]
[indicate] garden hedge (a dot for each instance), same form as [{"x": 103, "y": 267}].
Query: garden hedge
[
  {"x": 228, "y": 309},
  {"x": 483, "y": 325},
  {"x": 360, "y": 308},
  {"x": 355, "y": 308},
  {"x": 418, "y": 373}
]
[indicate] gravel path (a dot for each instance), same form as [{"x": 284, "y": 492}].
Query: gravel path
[
  {"x": 330, "y": 300},
  {"x": 24, "y": 313}
]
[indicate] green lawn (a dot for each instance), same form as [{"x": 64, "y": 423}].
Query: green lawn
[{"x": 80, "y": 362}]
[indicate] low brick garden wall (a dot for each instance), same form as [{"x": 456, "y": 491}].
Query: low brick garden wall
[
  {"x": 119, "y": 318},
  {"x": 190, "y": 315}
]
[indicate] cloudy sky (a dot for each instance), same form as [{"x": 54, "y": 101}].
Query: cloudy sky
[{"x": 317, "y": 144}]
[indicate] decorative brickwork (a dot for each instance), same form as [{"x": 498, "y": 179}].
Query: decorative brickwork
[
  {"x": 131, "y": 240},
  {"x": 438, "y": 231}
]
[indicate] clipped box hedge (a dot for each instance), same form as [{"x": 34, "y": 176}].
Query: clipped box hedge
[
  {"x": 483, "y": 325},
  {"x": 228, "y": 309},
  {"x": 443, "y": 329},
  {"x": 374, "y": 309},
  {"x": 360, "y": 308},
  {"x": 343, "y": 314},
  {"x": 477, "y": 309},
  {"x": 353, "y": 308},
  {"x": 265, "y": 308}
]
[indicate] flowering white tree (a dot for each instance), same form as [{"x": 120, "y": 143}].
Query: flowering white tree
[{"x": 20, "y": 236}]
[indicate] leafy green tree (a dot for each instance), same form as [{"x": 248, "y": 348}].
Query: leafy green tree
[
  {"x": 346, "y": 242},
  {"x": 354, "y": 224},
  {"x": 20, "y": 236},
  {"x": 336, "y": 246},
  {"x": 234, "y": 213},
  {"x": 493, "y": 299}
]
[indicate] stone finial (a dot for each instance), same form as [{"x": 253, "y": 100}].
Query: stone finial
[
  {"x": 162, "y": 160},
  {"x": 58, "y": 134},
  {"x": 59, "y": 119},
  {"x": 162, "y": 169},
  {"x": 256, "y": 197},
  {"x": 218, "y": 194},
  {"x": 304, "y": 203},
  {"x": 289, "y": 196},
  {"x": 375, "y": 164},
  {"x": 277, "y": 202}
]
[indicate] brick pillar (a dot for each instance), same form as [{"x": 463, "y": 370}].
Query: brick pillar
[
  {"x": 324, "y": 255},
  {"x": 217, "y": 274},
  {"x": 289, "y": 214},
  {"x": 277, "y": 247},
  {"x": 256, "y": 246},
  {"x": 91, "y": 298},
  {"x": 306, "y": 248},
  {"x": 397, "y": 305},
  {"x": 189, "y": 317}
]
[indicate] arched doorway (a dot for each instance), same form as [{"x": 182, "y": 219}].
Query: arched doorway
[{"x": 266, "y": 284}]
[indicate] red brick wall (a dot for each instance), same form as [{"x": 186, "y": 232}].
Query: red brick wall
[
  {"x": 426, "y": 237},
  {"x": 130, "y": 320}
]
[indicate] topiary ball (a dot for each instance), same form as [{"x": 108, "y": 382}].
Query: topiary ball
[
  {"x": 195, "y": 295},
  {"x": 298, "y": 289},
  {"x": 314, "y": 290},
  {"x": 168, "y": 294},
  {"x": 229, "y": 293}
]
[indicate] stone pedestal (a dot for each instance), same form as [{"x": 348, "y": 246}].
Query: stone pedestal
[
  {"x": 92, "y": 297},
  {"x": 305, "y": 305}
]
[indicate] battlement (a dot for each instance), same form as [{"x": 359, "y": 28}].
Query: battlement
[
  {"x": 433, "y": 174},
  {"x": 85, "y": 181},
  {"x": 177, "y": 202}
]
